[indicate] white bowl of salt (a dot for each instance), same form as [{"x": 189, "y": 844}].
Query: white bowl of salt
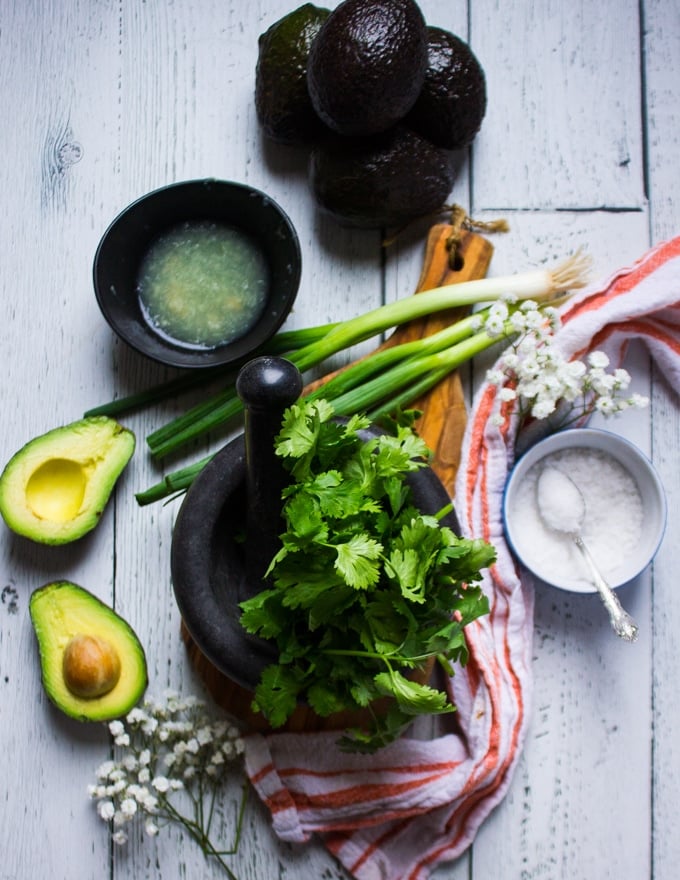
[{"x": 625, "y": 509}]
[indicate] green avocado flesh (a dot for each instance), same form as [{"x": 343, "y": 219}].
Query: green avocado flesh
[
  {"x": 54, "y": 490},
  {"x": 93, "y": 665}
]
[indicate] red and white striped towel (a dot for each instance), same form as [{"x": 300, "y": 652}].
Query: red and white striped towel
[{"x": 395, "y": 815}]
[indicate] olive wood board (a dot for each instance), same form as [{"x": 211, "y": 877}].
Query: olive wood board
[{"x": 441, "y": 424}]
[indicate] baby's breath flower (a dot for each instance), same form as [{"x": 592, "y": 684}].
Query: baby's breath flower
[
  {"x": 534, "y": 373},
  {"x": 106, "y": 810},
  {"x": 104, "y": 769},
  {"x": 204, "y": 736},
  {"x": 149, "y": 726},
  {"x": 543, "y": 408},
  {"x": 518, "y": 321},
  {"x": 129, "y": 762},
  {"x": 494, "y": 325},
  {"x": 136, "y": 716},
  {"x": 193, "y": 746},
  {"x": 151, "y": 828},
  {"x": 606, "y": 406},
  {"x": 160, "y": 783},
  {"x": 638, "y": 400},
  {"x": 166, "y": 746},
  {"x": 598, "y": 359},
  {"x": 128, "y": 807}
]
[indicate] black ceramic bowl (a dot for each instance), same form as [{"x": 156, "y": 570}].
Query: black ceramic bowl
[{"x": 128, "y": 238}]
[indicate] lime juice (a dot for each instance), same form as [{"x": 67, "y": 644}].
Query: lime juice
[{"x": 203, "y": 284}]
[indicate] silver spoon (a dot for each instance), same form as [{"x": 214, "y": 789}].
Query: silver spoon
[{"x": 563, "y": 508}]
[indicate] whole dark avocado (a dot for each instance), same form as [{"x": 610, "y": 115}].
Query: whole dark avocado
[
  {"x": 367, "y": 65},
  {"x": 282, "y": 102},
  {"x": 451, "y": 106},
  {"x": 383, "y": 181}
]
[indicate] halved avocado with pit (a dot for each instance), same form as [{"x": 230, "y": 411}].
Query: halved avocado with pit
[
  {"x": 54, "y": 490},
  {"x": 93, "y": 664}
]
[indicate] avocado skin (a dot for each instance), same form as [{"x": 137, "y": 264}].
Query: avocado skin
[
  {"x": 452, "y": 103},
  {"x": 367, "y": 65},
  {"x": 282, "y": 103},
  {"x": 383, "y": 181},
  {"x": 61, "y": 609}
]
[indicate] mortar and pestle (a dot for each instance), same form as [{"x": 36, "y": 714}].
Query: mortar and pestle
[{"x": 226, "y": 534}]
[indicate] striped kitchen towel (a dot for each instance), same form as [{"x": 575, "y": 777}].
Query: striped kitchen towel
[{"x": 397, "y": 814}]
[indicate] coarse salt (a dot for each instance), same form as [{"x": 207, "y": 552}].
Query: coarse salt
[{"x": 611, "y": 524}]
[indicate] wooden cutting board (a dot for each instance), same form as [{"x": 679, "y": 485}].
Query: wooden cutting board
[
  {"x": 443, "y": 418},
  {"x": 441, "y": 425}
]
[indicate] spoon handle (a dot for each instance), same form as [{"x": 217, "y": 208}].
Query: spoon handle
[{"x": 622, "y": 623}]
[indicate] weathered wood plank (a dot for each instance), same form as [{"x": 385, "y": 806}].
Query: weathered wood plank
[
  {"x": 563, "y": 127},
  {"x": 662, "y": 73}
]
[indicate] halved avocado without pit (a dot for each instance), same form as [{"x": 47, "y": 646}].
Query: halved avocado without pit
[
  {"x": 54, "y": 490},
  {"x": 93, "y": 664}
]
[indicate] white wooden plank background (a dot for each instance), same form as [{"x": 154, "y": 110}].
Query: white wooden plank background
[{"x": 102, "y": 101}]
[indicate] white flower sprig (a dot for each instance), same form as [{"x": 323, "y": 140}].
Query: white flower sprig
[
  {"x": 169, "y": 751},
  {"x": 536, "y": 380}
]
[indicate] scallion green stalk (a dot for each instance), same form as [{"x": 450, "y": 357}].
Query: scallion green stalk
[
  {"x": 174, "y": 483},
  {"x": 417, "y": 372},
  {"x": 280, "y": 344},
  {"x": 389, "y": 378}
]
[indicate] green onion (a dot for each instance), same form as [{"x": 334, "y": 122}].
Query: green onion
[
  {"x": 390, "y": 377},
  {"x": 286, "y": 341},
  {"x": 173, "y": 484}
]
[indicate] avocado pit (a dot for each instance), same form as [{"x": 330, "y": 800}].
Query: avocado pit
[{"x": 91, "y": 666}]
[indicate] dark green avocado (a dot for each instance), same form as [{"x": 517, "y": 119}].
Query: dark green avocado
[
  {"x": 367, "y": 65},
  {"x": 451, "y": 106},
  {"x": 282, "y": 102},
  {"x": 383, "y": 181}
]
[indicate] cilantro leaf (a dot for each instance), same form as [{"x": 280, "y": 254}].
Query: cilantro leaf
[
  {"x": 358, "y": 561},
  {"x": 364, "y": 586},
  {"x": 277, "y": 693},
  {"x": 412, "y": 697}
]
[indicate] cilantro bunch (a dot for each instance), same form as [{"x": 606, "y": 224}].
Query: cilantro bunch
[{"x": 366, "y": 591}]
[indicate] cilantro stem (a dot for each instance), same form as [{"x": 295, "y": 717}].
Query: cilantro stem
[{"x": 386, "y": 658}]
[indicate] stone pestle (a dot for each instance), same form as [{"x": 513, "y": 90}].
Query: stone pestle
[{"x": 267, "y": 386}]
